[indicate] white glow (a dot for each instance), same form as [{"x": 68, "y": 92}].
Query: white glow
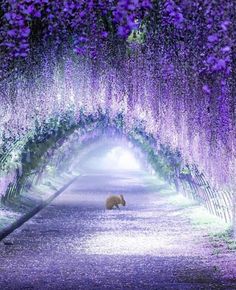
[
  {"x": 128, "y": 244},
  {"x": 121, "y": 159}
]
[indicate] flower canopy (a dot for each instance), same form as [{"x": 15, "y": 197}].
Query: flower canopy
[{"x": 167, "y": 65}]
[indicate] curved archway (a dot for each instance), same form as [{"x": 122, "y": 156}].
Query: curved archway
[{"x": 51, "y": 149}]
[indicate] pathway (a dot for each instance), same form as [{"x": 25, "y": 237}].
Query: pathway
[{"x": 75, "y": 243}]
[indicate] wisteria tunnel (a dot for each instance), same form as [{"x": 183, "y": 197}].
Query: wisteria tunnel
[{"x": 130, "y": 98}]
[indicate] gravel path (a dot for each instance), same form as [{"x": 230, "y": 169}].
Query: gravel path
[{"x": 75, "y": 244}]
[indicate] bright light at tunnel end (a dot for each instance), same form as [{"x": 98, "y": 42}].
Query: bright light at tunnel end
[{"x": 120, "y": 158}]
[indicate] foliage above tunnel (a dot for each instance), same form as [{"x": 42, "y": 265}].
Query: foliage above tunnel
[
  {"x": 165, "y": 66},
  {"x": 203, "y": 29}
]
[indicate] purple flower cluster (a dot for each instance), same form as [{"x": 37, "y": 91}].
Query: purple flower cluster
[
  {"x": 128, "y": 14},
  {"x": 174, "y": 13},
  {"x": 87, "y": 22}
]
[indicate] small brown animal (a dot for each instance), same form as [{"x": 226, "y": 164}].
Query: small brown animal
[{"x": 115, "y": 200}]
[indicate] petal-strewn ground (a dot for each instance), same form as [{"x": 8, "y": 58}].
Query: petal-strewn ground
[{"x": 152, "y": 243}]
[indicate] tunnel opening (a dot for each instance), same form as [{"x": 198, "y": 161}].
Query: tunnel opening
[{"x": 110, "y": 158}]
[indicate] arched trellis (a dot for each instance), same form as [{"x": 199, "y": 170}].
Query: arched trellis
[
  {"x": 41, "y": 149},
  {"x": 130, "y": 85},
  {"x": 130, "y": 93}
]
